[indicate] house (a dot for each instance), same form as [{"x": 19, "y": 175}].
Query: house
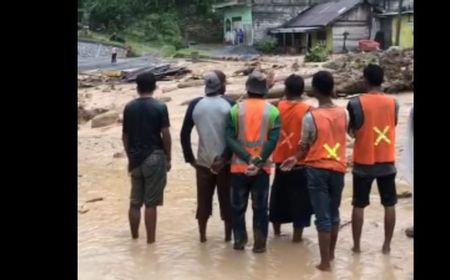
[
  {"x": 386, "y": 22},
  {"x": 299, "y": 25},
  {"x": 339, "y": 25},
  {"x": 256, "y": 17}
]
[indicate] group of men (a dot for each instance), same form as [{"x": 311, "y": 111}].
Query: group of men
[{"x": 240, "y": 143}]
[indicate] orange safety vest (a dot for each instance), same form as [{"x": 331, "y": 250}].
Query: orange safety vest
[
  {"x": 328, "y": 149},
  {"x": 291, "y": 117},
  {"x": 252, "y": 131},
  {"x": 375, "y": 140}
]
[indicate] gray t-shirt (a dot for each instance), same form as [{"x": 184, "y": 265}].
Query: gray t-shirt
[
  {"x": 209, "y": 115},
  {"x": 356, "y": 121}
]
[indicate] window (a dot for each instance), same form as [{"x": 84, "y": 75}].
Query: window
[
  {"x": 321, "y": 36},
  {"x": 227, "y": 25}
]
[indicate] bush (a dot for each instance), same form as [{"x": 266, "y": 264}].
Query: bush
[
  {"x": 267, "y": 45},
  {"x": 318, "y": 53},
  {"x": 168, "y": 50}
]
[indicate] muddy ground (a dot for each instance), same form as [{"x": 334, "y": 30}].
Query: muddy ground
[{"x": 106, "y": 251}]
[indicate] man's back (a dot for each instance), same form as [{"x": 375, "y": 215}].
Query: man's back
[
  {"x": 209, "y": 115},
  {"x": 143, "y": 120}
]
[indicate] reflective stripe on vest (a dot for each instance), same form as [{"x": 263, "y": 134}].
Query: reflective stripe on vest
[
  {"x": 381, "y": 135},
  {"x": 332, "y": 152},
  {"x": 252, "y": 147}
]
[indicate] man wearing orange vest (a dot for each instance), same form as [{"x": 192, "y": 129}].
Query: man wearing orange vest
[
  {"x": 373, "y": 118},
  {"x": 252, "y": 135},
  {"x": 289, "y": 198},
  {"x": 322, "y": 149}
]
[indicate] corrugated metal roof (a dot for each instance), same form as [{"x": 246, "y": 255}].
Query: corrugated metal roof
[
  {"x": 294, "y": 30},
  {"x": 322, "y": 14}
]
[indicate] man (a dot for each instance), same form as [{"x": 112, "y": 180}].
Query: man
[
  {"x": 252, "y": 134},
  {"x": 113, "y": 55},
  {"x": 373, "y": 118},
  {"x": 147, "y": 142},
  {"x": 289, "y": 198},
  {"x": 322, "y": 148},
  {"x": 209, "y": 115}
]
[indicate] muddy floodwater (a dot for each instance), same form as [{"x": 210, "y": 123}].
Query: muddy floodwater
[{"x": 106, "y": 250}]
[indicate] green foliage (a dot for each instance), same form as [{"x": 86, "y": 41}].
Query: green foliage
[
  {"x": 168, "y": 51},
  {"x": 169, "y": 22},
  {"x": 267, "y": 45},
  {"x": 318, "y": 53}
]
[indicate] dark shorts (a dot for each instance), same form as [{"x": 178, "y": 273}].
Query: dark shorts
[
  {"x": 363, "y": 185},
  {"x": 289, "y": 198},
  {"x": 325, "y": 190},
  {"x": 206, "y": 183},
  {"x": 148, "y": 181}
]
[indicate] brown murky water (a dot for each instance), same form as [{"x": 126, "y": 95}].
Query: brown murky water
[{"x": 106, "y": 251}]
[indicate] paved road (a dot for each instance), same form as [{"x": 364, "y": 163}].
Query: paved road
[{"x": 104, "y": 63}]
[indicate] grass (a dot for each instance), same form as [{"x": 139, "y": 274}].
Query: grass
[{"x": 140, "y": 48}]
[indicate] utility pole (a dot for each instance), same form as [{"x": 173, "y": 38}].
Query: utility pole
[{"x": 399, "y": 23}]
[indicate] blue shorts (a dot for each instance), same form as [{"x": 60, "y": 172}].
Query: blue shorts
[{"x": 325, "y": 190}]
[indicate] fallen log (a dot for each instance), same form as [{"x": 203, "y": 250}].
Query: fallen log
[
  {"x": 94, "y": 200},
  {"x": 194, "y": 83}
]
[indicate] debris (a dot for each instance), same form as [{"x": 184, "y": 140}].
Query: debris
[
  {"x": 160, "y": 71},
  {"x": 410, "y": 232},
  {"x": 164, "y": 99},
  {"x": 83, "y": 211},
  {"x": 119, "y": 155},
  {"x": 397, "y": 65},
  {"x": 105, "y": 119},
  {"x": 94, "y": 199},
  {"x": 194, "y": 83},
  {"x": 85, "y": 115},
  {"x": 345, "y": 224},
  {"x": 405, "y": 194}
]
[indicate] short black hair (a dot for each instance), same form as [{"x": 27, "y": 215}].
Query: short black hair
[
  {"x": 374, "y": 74},
  {"x": 146, "y": 83},
  {"x": 294, "y": 85},
  {"x": 323, "y": 82}
]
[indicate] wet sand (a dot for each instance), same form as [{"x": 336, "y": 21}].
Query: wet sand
[{"x": 106, "y": 251}]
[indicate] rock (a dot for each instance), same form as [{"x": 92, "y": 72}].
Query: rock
[
  {"x": 83, "y": 211},
  {"x": 105, "y": 119},
  {"x": 85, "y": 115},
  {"x": 119, "y": 155},
  {"x": 410, "y": 232},
  {"x": 94, "y": 199},
  {"x": 164, "y": 99}
]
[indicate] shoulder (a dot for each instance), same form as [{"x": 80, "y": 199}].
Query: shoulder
[
  {"x": 230, "y": 101},
  {"x": 354, "y": 102}
]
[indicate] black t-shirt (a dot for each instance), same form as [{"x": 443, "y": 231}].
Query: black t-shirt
[{"x": 143, "y": 120}]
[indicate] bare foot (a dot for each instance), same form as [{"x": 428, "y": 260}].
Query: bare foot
[
  {"x": 386, "y": 249},
  {"x": 323, "y": 267},
  {"x": 356, "y": 250},
  {"x": 150, "y": 241}
]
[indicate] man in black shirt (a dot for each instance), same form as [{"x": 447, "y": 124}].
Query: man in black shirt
[{"x": 147, "y": 142}]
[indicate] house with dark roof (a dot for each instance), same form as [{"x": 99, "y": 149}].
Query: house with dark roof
[
  {"x": 256, "y": 17},
  {"x": 299, "y": 25},
  {"x": 389, "y": 18},
  {"x": 338, "y": 25}
]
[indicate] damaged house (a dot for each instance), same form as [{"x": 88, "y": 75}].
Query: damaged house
[{"x": 299, "y": 25}]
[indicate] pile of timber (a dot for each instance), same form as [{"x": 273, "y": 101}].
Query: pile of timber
[{"x": 161, "y": 72}]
